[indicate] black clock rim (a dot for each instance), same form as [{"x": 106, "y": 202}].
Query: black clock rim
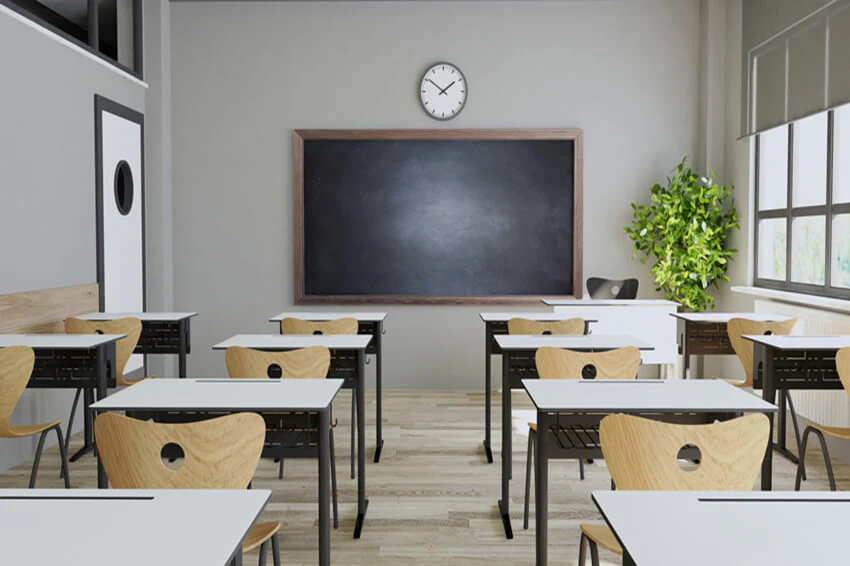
[{"x": 419, "y": 91}]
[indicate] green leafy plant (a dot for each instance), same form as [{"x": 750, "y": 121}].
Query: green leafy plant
[{"x": 683, "y": 231}]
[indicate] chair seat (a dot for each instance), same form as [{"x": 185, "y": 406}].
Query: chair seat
[
  {"x": 121, "y": 382},
  {"x": 602, "y": 536},
  {"x": 833, "y": 431},
  {"x": 259, "y": 534},
  {"x": 26, "y": 430}
]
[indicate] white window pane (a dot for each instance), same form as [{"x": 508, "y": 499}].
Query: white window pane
[
  {"x": 810, "y": 136},
  {"x": 771, "y": 253},
  {"x": 773, "y": 168},
  {"x": 841, "y": 251},
  {"x": 841, "y": 155},
  {"x": 808, "y": 250}
]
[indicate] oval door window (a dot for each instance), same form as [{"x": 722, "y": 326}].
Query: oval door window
[{"x": 123, "y": 187}]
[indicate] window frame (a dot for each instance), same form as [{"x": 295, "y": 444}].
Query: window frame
[
  {"x": 92, "y": 46},
  {"x": 828, "y": 211}
]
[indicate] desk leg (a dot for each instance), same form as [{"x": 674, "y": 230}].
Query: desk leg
[
  {"x": 686, "y": 357},
  {"x": 507, "y": 454},
  {"x": 762, "y": 355},
  {"x": 362, "y": 502},
  {"x": 183, "y": 347},
  {"x": 102, "y": 480},
  {"x": 324, "y": 488},
  {"x": 379, "y": 391},
  {"x": 487, "y": 391},
  {"x": 236, "y": 559},
  {"x": 541, "y": 488}
]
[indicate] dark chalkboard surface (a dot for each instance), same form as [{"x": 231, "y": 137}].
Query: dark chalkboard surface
[{"x": 420, "y": 220}]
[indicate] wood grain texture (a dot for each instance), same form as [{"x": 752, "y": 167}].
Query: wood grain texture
[
  {"x": 44, "y": 311},
  {"x": 557, "y": 363},
  {"x": 16, "y": 364},
  {"x": 305, "y": 363},
  {"x": 524, "y": 326},
  {"x": 346, "y": 325},
  {"x": 432, "y": 498},
  {"x": 298, "y": 138},
  {"x": 130, "y": 326},
  {"x": 642, "y": 454},
  {"x": 220, "y": 453},
  {"x": 740, "y": 327}
]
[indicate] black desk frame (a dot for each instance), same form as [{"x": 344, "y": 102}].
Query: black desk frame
[
  {"x": 697, "y": 338},
  {"x": 776, "y": 370},
  {"x": 492, "y": 329},
  {"x": 167, "y": 337},
  {"x": 88, "y": 369}
]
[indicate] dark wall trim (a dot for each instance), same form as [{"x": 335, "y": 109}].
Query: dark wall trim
[{"x": 92, "y": 44}]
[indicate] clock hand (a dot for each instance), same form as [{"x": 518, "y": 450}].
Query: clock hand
[
  {"x": 436, "y": 85},
  {"x": 443, "y": 90}
]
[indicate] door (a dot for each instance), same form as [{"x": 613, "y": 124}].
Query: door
[{"x": 119, "y": 139}]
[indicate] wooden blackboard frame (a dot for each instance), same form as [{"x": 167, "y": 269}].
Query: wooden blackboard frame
[{"x": 298, "y": 138}]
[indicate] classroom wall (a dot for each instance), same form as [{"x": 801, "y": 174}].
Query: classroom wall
[
  {"x": 47, "y": 197},
  {"x": 245, "y": 74}
]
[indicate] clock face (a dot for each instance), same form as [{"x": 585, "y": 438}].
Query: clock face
[{"x": 443, "y": 91}]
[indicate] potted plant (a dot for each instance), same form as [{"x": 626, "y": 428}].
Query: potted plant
[{"x": 683, "y": 231}]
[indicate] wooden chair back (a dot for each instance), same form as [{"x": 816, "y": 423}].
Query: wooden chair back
[
  {"x": 124, "y": 348},
  {"x": 245, "y": 363},
  {"x": 842, "y": 363},
  {"x": 737, "y": 328},
  {"x": 338, "y": 326},
  {"x": 16, "y": 365},
  {"x": 557, "y": 363},
  {"x": 642, "y": 454},
  {"x": 220, "y": 453},
  {"x": 524, "y": 326}
]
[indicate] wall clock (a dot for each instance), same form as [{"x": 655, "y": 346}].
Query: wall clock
[{"x": 443, "y": 91}]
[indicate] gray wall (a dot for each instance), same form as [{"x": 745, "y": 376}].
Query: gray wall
[
  {"x": 246, "y": 74},
  {"x": 47, "y": 199}
]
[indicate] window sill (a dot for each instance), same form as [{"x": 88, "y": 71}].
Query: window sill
[{"x": 825, "y": 303}]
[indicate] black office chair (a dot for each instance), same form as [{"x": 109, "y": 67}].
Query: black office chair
[{"x": 601, "y": 288}]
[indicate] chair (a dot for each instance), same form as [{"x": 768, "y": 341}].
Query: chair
[
  {"x": 524, "y": 326},
  {"x": 131, "y": 327},
  {"x": 306, "y": 363},
  {"x": 601, "y": 288},
  {"x": 642, "y": 455},
  {"x": 220, "y": 453},
  {"x": 842, "y": 363},
  {"x": 16, "y": 365},
  {"x": 555, "y": 363},
  {"x": 737, "y": 328},
  {"x": 337, "y": 326}
]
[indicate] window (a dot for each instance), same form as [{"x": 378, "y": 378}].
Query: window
[
  {"x": 111, "y": 29},
  {"x": 803, "y": 205}
]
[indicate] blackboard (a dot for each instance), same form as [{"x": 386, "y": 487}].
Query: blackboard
[{"x": 454, "y": 216}]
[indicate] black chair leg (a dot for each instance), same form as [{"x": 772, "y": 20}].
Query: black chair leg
[
  {"x": 333, "y": 480},
  {"x": 794, "y": 422},
  {"x": 594, "y": 553},
  {"x": 63, "y": 456},
  {"x": 353, "y": 425},
  {"x": 529, "y": 463},
  {"x": 581, "y": 469},
  {"x": 276, "y": 549},
  {"x": 71, "y": 420},
  {"x": 582, "y": 550},
  {"x": 827, "y": 460},
  {"x": 263, "y": 551},
  {"x": 280, "y": 469},
  {"x": 37, "y": 459}
]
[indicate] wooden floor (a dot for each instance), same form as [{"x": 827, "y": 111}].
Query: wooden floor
[{"x": 432, "y": 498}]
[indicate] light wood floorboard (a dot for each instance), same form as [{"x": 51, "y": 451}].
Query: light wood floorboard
[{"x": 432, "y": 497}]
